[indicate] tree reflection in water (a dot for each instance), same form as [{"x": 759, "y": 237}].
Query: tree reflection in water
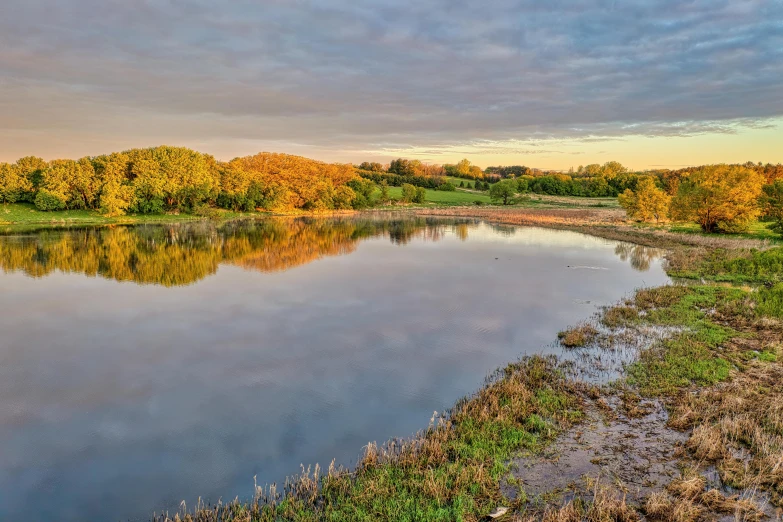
[
  {"x": 181, "y": 254},
  {"x": 640, "y": 257}
]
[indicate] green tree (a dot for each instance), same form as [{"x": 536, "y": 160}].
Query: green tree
[
  {"x": 408, "y": 192},
  {"x": 772, "y": 201},
  {"x": 503, "y": 191},
  {"x": 719, "y": 198},
  {"x": 384, "y": 197},
  {"x": 648, "y": 203},
  {"x": 364, "y": 190},
  {"x": 420, "y": 195}
]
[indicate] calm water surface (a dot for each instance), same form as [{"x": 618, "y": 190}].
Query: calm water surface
[{"x": 143, "y": 366}]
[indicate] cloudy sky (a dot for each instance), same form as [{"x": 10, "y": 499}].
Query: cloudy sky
[{"x": 549, "y": 84}]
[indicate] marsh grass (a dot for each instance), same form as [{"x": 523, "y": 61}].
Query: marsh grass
[
  {"x": 451, "y": 471},
  {"x": 721, "y": 376},
  {"x": 578, "y": 336}
]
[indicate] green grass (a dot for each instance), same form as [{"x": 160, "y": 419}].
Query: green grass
[
  {"x": 21, "y": 217},
  {"x": 770, "y": 301},
  {"x": 757, "y": 230},
  {"x": 469, "y": 183},
  {"x": 692, "y": 356},
  {"x": 754, "y": 266},
  {"x": 545, "y": 200},
  {"x": 677, "y": 363},
  {"x": 440, "y": 197},
  {"x": 696, "y": 354}
]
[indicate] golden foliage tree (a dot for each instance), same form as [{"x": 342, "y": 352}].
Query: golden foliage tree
[
  {"x": 68, "y": 184},
  {"x": 648, "y": 203},
  {"x": 719, "y": 198},
  {"x": 294, "y": 182},
  {"x": 172, "y": 177},
  {"x": 32, "y": 169},
  {"x": 116, "y": 192},
  {"x": 13, "y": 184}
]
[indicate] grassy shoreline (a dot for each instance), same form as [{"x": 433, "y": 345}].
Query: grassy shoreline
[{"x": 715, "y": 365}]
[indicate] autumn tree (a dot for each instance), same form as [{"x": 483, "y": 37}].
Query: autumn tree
[
  {"x": 463, "y": 168},
  {"x": 13, "y": 184},
  {"x": 612, "y": 169},
  {"x": 647, "y": 203},
  {"x": 433, "y": 171},
  {"x": 503, "y": 191},
  {"x": 116, "y": 191},
  {"x": 68, "y": 184},
  {"x": 719, "y": 198},
  {"x": 404, "y": 167},
  {"x": 371, "y": 166},
  {"x": 32, "y": 169}
]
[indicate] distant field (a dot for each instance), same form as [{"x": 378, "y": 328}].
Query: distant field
[
  {"x": 571, "y": 201},
  {"x": 446, "y": 198},
  {"x": 456, "y": 181}
]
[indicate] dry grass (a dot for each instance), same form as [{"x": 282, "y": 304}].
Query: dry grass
[
  {"x": 738, "y": 427},
  {"x": 605, "y": 504},
  {"x": 687, "y": 499},
  {"x": 578, "y": 336}
]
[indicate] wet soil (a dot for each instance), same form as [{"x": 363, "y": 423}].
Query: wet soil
[{"x": 637, "y": 454}]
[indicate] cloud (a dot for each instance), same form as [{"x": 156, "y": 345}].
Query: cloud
[{"x": 386, "y": 75}]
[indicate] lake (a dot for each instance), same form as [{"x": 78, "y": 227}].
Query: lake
[{"x": 142, "y": 366}]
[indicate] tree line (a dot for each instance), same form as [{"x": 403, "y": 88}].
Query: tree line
[
  {"x": 165, "y": 178},
  {"x": 720, "y": 198}
]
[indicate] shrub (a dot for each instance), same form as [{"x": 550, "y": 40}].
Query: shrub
[
  {"x": 46, "y": 200},
  {"x": 408, "y": 192},
  {"x": 205, "y": 211}
]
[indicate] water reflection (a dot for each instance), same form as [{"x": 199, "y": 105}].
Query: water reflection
[
  {"x": 181, "y": 254},
  {"x": 640, "y": 256},
  {"x": 120, "y": 399}
]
